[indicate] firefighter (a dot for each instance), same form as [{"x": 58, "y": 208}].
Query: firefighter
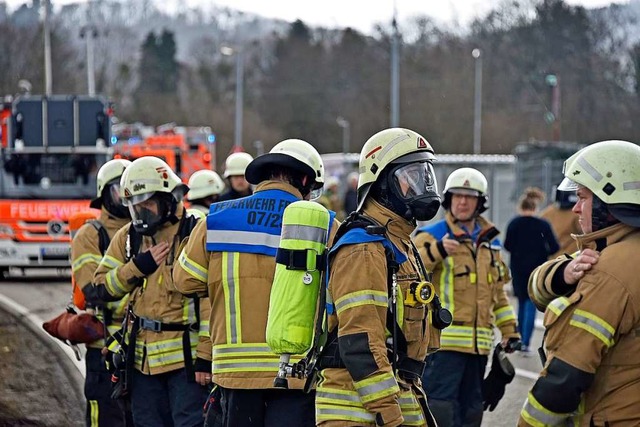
[
  {"x": 369, "y": 377},
  {"x": 205, "y": 188},
  {"x": 234, "y": 173},
  {"x": 563, "y": 221},
  {"x": 463, "y": 252},
  {"x": 591, "y": 375},
  {"x": 231, "y": 258},
  {"x": 169, "y": 353},
  {"x": 87, "y": 247},
  {"x": 330, "y": 198}
]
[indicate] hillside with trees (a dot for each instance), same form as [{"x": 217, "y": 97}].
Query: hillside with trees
[{"x": 158, "y": 68}]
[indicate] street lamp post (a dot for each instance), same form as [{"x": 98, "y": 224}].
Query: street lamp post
[
  {"x": 477, "y": 104},
  {"x": 48, "y": 79},
  {"x": 226, "y": 50},
  {"x": 395, "y": 72},
  {"x": 346, "y": 136},
  {"x": 90, "y": 33}
]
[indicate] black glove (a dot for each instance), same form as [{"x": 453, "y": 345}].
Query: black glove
[
  {"x": 514, "y": 344},
  {"x": 213, "y": 413},
  {"x": 145, "y": 263},
  {"x": 501, "y": 374}
]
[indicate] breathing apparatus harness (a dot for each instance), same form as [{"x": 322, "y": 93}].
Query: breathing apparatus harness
[{"x": 325, "y": 353}]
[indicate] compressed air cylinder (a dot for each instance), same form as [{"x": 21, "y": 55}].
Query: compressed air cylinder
[{"x": 297, "y": 281}]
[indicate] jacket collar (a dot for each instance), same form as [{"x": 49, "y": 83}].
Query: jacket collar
[
  {"x": 598, "y": 240},
  {"x": 396, "y": 226},
  {"x": 488, "y": 231},
  {"x": 278, "y": 185}
]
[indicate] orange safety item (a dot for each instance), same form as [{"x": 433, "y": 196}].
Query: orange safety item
[
  {"x": 76, "y": 221},
  {"x": 75, "y": 328}
]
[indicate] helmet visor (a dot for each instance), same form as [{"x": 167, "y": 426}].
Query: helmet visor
[
  {"x": 138, "y": 198},
  {"x": 147, "y": 215},
  {"x": 568, "y": 185},
  {"x": 316, "y": 193},
  {"x": 414, "y": 179}
]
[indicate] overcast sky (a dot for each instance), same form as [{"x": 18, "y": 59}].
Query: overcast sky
[{"x": 359, "y": 14}]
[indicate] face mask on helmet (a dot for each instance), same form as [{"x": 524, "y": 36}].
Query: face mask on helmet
[
  {"x": 149, "y": 214},
  {"x": 112, "y": 202},
  {"x": 415, "y": 185}
]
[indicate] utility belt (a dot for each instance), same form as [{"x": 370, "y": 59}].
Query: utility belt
[
  {"x": 156, "y": 326},
  {"x": 407, "y": 368}
]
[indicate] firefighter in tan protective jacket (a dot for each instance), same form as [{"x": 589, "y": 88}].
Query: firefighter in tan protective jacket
[
  {"x": 86, "y": 253},
  {"x": 563, "y": 221},
  {"x": 171, "y": 350},
  {"x": 463, "y": 252},
  {"x": 380, "y": 327},
  {"x": 591, "y": 375},
  {"x": 232, "y": 258}
]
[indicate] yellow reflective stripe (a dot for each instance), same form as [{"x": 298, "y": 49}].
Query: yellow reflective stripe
[
  {"x": 188, "y": 311},
  {"x": 203, "y": 331},
  {"x": 242, "y": 350},
  {"x": 558, "y": 305},
  {"x": 593, "y": 324},
  {"x": 194, "y": 269},
  {"x": 504, "y": 314},
  {"x": 118, "y": 308},
  {"x": 94, "y": 413},
  {"x": 359, "y": 298},
  {"x": 534, "y": 288},
  {"x": 114, "y": 285},
  {"x": 330, "y": 413},
  {"x": 473, "y": 278},
  {"x": 446, "y": 285},
  {"x": 230, "y": 266},
  {"x": 110, "y": 262},
  {"x": 376, "y": 387},
  {"x": 338, "y": 396},
  {"x": 539, "y": 416},
  {"x": 85, "y": 259}
]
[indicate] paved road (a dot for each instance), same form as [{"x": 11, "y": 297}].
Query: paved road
[{"x": 45, "y": 296}]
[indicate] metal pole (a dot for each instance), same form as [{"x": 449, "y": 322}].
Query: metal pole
[
  {"x": 91, "y": 81},
  {"x": 239, "y": 97},
  {"x": 395, "y": 73},
  {"x": 477, "y": 104},
  {"x": 48, "y": 80}
]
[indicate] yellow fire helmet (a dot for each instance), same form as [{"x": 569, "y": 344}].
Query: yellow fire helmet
[
  {"x": 204, "y": 183},
  {"x": 109, "y": 173},
  {"x": 467, "y": 181},
  {"x": 146, "y": 176},
  {"x": 236, "y": 164},
  {"x": 397, "y": 148},
  {"x": 611, "y": 170}
]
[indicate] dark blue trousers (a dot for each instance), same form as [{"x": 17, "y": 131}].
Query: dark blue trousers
[
  {"x": 267, "y": 408},
  {"x": 453, "y": 383},
  {"x": 167, "y": 400}
]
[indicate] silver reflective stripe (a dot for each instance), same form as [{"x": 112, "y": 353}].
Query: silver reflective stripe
[
  {"x": 547, "y": 419},
  {"x": 361, "y": 298},
  {"x": 337, "y": 396},
  {"x": 243, "y": 238},
  {"x": 377, "y": 387},
  {"x": 447, "y": 275},
  {"x": 410, "y": 418},
  {"x": 589, "y": 169},
  {"x": 235, "y": 350},
  {"x": 231, "y": 280},
  {"x": 631, "y": 185},
  {"x": 391, "y": 145},
  {"x": 590, "y": 323},
  {"x": 304, "y": 232},
  {"x": 336, "y": 413}
]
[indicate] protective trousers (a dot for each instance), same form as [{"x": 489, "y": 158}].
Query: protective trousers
[
  {"x": 167, "y": 400},
  {"x": 102, "y": 410},
  {"x": 453, "y": 382},
  {"x": 267, "y": 408}
]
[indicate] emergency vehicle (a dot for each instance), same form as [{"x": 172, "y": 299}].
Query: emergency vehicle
[
  {"x": 185, "y": 149},
  {"x": 51, "y": 149}
]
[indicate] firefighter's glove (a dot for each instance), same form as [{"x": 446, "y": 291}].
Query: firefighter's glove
[
  {"x": 513, "y": 344},
  {"x": 501, "y": 374},
  {"x": 145, "y": 263}
]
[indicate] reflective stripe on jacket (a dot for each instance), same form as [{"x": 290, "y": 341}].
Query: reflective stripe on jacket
[{"x": 470, "y": 284}]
